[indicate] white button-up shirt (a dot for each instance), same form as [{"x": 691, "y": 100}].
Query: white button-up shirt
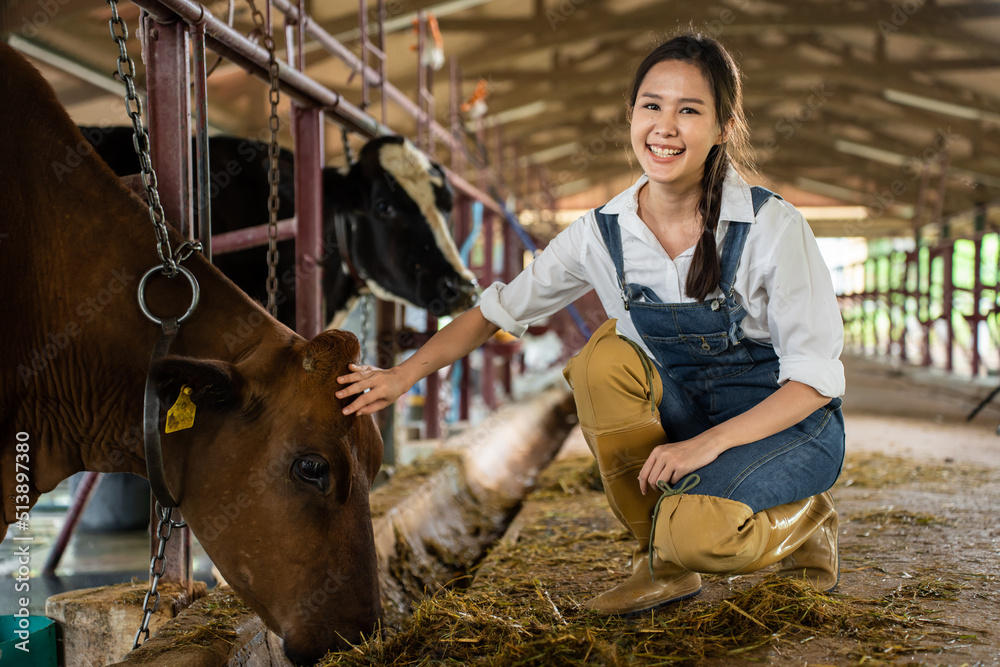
[{"x": 782, "y": 281}]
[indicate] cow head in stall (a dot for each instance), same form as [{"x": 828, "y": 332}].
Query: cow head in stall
[
  {"x": 402, "y": 248},
  {"x": 271, "y": 475},
  {"x": 395, "y": 201},
  {"x": 274, "y": 482}
]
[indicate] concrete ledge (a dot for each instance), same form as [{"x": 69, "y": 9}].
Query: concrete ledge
[
  {"x": 431, "y": 530},
  {"x": 98, "y": 625},
  {"x": 215, "y": 630}
]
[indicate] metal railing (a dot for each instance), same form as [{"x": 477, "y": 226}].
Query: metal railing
[{"x": 934, "y": 306}]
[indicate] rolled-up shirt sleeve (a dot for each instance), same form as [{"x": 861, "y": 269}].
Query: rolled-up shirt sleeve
[
  {"x": 803, "y": 316},
  {"x": 553, "y": 280}
]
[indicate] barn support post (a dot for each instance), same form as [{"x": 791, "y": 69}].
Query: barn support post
[
  {"x": 948, "y": 302},
  {"x": 432, "y": 399},
  {"x": 169, "y": 109},
  {"x": 203, "y": 219},
  {"x": 425, "y": 142},
  {"x": 462, "y": 220},
  {"x": 169, "y": 106},
  {"x": 977, "y": 295},
  {"x": 488, "y": 388},
  {"x": 76, "y": 508},
  {"x": 463, "y": 228},
  {"x": 388, "y": 349},
  {"x": 927, "y": 321},
  {"x": 307, "y": 125}
]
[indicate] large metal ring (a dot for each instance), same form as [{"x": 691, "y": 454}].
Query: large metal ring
[{"x": 195, "y": 294}]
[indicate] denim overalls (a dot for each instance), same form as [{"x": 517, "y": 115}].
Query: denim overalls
[{"x": 711, "y": 372}]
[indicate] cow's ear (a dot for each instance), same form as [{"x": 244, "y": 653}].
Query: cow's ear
[
  {"x": 329, "y": 353},
  {"x": 444, "y": 197},
  {"x": 214, "y": 385}
]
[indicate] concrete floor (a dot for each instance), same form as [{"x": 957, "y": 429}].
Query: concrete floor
[{"x": 908, "y": 413}]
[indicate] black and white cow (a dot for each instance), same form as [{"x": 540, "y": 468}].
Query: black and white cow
[{"x": 397, "y": 204}]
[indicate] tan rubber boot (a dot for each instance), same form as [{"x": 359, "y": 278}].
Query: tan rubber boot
[
  {"x": 648, "y": 587},
  {"x": 817, "y": 561},
  {"x": 617, "y": 392},
  {"x": 620, "y": 456},
  {"x": 721, "y": 536}
]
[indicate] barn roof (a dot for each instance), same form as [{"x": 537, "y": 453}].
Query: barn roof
[{"x": 848, "y": 101}]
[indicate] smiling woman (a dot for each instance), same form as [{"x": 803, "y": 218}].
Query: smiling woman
[{"x": 718, "y": 380}]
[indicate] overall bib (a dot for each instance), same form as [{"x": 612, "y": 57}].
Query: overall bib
[
  {"x": 711, "y": 372},
  {"x": 757, "y": 504}
]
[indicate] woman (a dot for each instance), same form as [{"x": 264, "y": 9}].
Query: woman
[{"x": 718, "y": 379}]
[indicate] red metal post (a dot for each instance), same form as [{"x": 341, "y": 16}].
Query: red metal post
[
  {"x": 80, "y": 499},
  {"x": 363, "y": 43},
  {"x": 462, "y": 216},
  {"x": 169, "y": 106},
  {"x": 486, "y": 278},
  {"x": 385, "y": 357},
  {"x": 423, "y": 122},
  {"x": 977, "y": 295},
  {"x": 905, "y": 307},
  {"x": 948, "y": 290},
  {"x": 463, "y": 213},
  {"x": 926, "y": 322},
  {"x": 432, "y": 399},
  {"x": 308, "y": 130},
  {"x": 376, "y": 50},
  {"x": 203, "y": 220}
]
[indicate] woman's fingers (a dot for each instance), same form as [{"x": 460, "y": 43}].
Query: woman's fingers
[
  {"x": 658, "y": 466},
  {"x": 363, "y": 401},
  {"x": 373, "y": 389},
  {"x": 361, "y": 379},
  {"x": 647, "y": 476}
]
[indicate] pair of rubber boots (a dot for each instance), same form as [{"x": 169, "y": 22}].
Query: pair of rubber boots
[{"x": 703, "y": 534}]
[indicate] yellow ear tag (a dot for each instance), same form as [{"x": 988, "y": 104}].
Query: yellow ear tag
[{"x": 181, "y": 415}]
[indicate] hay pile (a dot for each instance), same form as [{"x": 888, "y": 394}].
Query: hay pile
[{"x": 525, "y": 606}]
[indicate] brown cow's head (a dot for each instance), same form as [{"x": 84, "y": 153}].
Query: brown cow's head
[{"x": 274, "y": 481}]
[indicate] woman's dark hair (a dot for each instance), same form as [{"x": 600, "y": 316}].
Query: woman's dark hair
[{"x": 724, "y": 78}]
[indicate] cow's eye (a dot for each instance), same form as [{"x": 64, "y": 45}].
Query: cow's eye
[
  {"x": 313, "y": 470},
  {"x": 385, "y": 208}
]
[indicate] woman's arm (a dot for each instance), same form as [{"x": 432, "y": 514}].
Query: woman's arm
[
  {"x": 789, "y": 405},
  {"x": 462, "y": 335}
]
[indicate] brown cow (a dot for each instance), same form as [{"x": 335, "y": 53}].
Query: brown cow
[{"x": 272, "y": 478}]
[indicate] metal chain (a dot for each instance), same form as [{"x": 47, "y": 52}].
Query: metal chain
[
  {"x": 140, "y": 141},
  {"x": 156, "y": 568},
  {"x": 273, "y": 173}
]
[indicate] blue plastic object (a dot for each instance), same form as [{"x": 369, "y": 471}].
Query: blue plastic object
[{"x": 37, "y": 634}]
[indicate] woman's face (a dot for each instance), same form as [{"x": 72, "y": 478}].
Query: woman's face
[{"x": 674, "y": 124}]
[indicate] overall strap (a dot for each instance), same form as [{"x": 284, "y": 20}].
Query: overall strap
[
  {"x": 612, "y": 235},
  {"x": 736, "y": 237},
  {"x": 759, "y": 195}
]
